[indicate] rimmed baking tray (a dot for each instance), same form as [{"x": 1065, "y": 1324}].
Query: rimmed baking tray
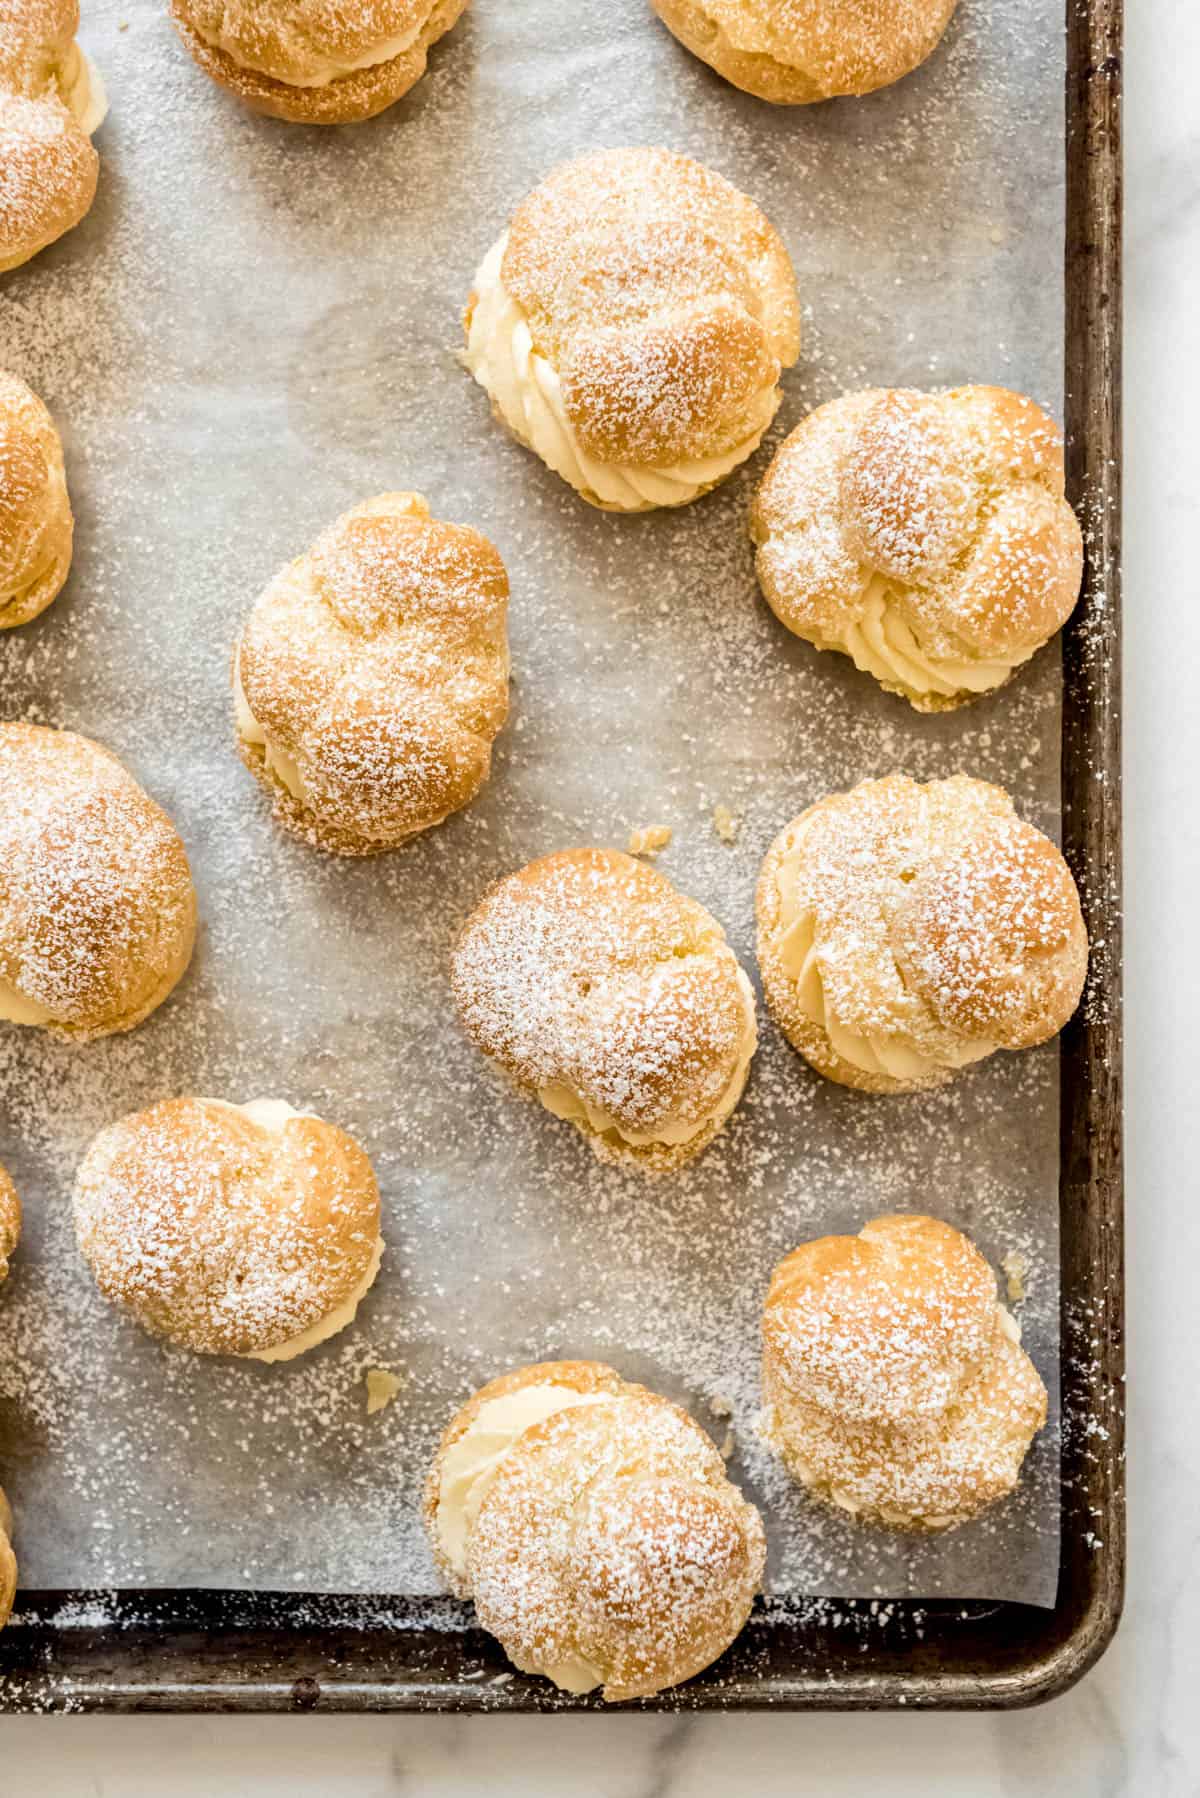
[{"x": 214, "y": 1650}]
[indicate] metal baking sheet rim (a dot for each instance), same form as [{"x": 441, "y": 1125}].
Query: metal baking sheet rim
[{"x": 236, "y": 1651}]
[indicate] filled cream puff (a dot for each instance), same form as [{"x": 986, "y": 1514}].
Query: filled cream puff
[
  {"x": 36, "y": 523},
  {"x": 315, "y": 62},
  {"x": 906, "y": 931},
  {"x": 925, "y": 535},
  {"x": 593, "y": 1525},
  {"x": 249, "y": 1230},
  {"x": 895, "y": 1382},
  {"x": 8, "y": 1561},
  {"x": 51, "y": 102},
  {"x": 97, "y": 906},
  {"x": 10, "y": 1220},
  {"x": 613, "y": 999},
  {"x": 631, "y": 325},
  {"x": 371, "y": 677}
]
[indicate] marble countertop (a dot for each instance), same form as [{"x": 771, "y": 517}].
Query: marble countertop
[{"x": 1132, "y": 1728}]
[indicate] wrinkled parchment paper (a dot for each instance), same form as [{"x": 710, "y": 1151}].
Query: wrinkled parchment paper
[{"x": 255, "y": 328}]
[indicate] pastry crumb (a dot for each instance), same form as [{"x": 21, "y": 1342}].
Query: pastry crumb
[
  {"x": 649, "y": 840},
  {"x": 1016, "y": 1271},
  {"x": 725, "y": 823},
  {"x": 720, "y": 1407},
  {"x": 382, "y": 1387},
  {"x": 727, "y": 1446}
]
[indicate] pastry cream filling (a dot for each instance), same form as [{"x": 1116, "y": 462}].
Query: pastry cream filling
[
  {"x": 564, "y": 1102},
  {"x": 470, "y": 1463},
  {"x": 525, "y": 388},
  {"x": 251, "y": 731},
  {"x": 82, "y": 90},
  {"x": 874, "y": 1052},
  {"x": 322, "y": 70},
  {"x": 16, "y": 1008},
  {"x": 273, "y": 1114},
  {"x": 883, "y": 643}
]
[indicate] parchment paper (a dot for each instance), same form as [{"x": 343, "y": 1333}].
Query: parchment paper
[{"x": 255, "y": 328}]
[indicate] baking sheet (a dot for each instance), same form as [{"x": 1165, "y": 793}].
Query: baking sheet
[{"x": 255, "y": 328}]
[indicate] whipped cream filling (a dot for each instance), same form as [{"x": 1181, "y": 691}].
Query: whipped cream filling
[
  {"x": 322, "y": 70},
  {"x": 470, "y": 1463},
  {"x": 269, "y": 1114},
  {"x": 16, "y": 1008},
  {"x": 882, "y": 642},
  {"x": 889, "y": 1053},
  {"x": 251, "y": 731},
  {"x": 526, "y": 389},
  {"x": 564, "y": 1102},
  {"x": 82, "y": 91},
  {"x": 273, "y": 1114}
]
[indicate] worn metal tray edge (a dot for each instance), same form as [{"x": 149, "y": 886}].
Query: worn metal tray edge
[{"x": 247, "y": 1651}]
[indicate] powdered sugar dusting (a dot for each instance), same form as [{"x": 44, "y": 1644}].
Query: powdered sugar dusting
[
  {"x": 96, "y": 903},
  {"x": 613, "y": 1550},
  {"x": 221, "y": 1233},
  {"x": 895, "y": 1384},
  {"x": 222, "y": 395},
  {"x": 589, "y": 969},
  {"x": 378, "y": 662}
]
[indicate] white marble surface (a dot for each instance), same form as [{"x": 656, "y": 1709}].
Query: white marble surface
[{"x": 1132, "y": 1729}]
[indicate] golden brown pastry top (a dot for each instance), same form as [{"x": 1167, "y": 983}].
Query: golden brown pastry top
[
  {"x": 587, "y": 969},
  {"x": 48, "y": 168},
  {"x": 97, "y": 907},
  {"x": 796, "y": 51},
  {"x": 883, "y": 1326},
  {"x": 298, "y": 41},
  {"x": 949, "y": 504},
  {"x": 662, "y": 296},
  {"x": 315, "y": 62},
  {"x": 221, "y": 1233},
  {"x": 35, "y": 513},
  {"x": 378, "y": 663},
  {"x": 608, "y": 1541}
]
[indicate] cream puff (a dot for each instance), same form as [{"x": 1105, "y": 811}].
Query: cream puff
[
  {"x": 248, "y": 1230},
  {"x": 36, "y": 523},
  {"x": 51, "y": 101},
  {"x": 10, "y": 1220},
  {"x": 315, "y": 62},
  {"x": 925, "y": 535},
  {"x": 793, "y": 52},
  {"x": 905, "y": 931},
  {"x": 97, "y": 906},
  {"x": 631, "y": 324},
  {"x": 371, "y": 678},
  {"x": 895, "y": 1382},
  {"x": 8, "y": 1561},
  {"x": 611, "y": 998},
  {"x": 592, "y": 1523}
]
